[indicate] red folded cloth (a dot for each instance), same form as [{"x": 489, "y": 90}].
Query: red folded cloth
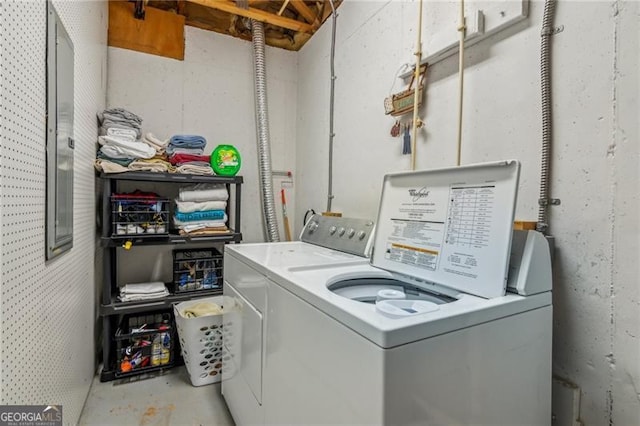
[{"x": 177, "y": 159}]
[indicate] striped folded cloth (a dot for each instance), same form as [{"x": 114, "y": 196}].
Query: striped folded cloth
[{"x": 200, "y": 216}]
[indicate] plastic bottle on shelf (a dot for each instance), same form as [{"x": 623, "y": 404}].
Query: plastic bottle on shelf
[
  {"x": 165, "y": 348},
  {"x": 156, "y": 350}
]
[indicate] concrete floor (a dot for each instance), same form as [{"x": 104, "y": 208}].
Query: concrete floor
[{"x": 164, "y": 400}]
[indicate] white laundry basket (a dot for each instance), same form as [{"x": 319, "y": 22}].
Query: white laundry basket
[{"x": 201, "y": 339}]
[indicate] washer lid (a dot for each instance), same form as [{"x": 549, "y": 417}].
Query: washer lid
[{"x": 449, "y": 226}]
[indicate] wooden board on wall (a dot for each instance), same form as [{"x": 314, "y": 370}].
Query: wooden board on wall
[{"x": 160, "y": 33}]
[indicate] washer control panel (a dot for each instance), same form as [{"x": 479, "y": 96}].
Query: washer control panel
[{"x": 349, "y": 235}]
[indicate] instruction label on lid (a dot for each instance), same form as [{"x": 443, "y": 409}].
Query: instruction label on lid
[{"x": 449, "y": 226}]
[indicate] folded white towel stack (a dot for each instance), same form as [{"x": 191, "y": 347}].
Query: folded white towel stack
[{"x": 143, "y": 291}]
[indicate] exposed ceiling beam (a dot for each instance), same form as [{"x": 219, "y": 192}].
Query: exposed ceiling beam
[
  {"x": 283, "y": 7},
  {"x": 257, "y": 14},
  {"x": 181, "y": 5},
  {"x": 305, "y": 12}
]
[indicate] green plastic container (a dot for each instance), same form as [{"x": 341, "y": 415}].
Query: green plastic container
[{"x": 225, "y": 160}]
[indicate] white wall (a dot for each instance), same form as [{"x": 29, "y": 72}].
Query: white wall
[
  {"x": 48, "y": 308},
  {"x": 211, "y": 93},
  {"x": 595, "y": 158}
]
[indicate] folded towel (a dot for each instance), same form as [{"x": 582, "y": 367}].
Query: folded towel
[
  {"x": 128, "y": 134},
  {"x": 171, "y": 150},
  {"x": 203, "y": 192},
  {"x": 151, "y": 165},
  {"x": 205, "y": 231},
  {"x": 195, "y": 226},
  {"x": 188, "y": 141},
  {"x": 135, "y": 297},
  {"x": 122, "y": 161},
  {"x": 119, "y": 115},
  {"x": 186, "y": 144},
  {"x": 191, "y": 206},
  {"x": 143, "y": 291},
  {"x": 155, "y": 143},
  {"x": 195, "y": 169},
  {"x": 107, "y": 166},
  {"x": 114, "y": 119},
  {"x": 109, "y": 126},
  {"x": 200, "y": 216},
  {"x": 180, "y": 159},
  {"x": 143, "y": 288},
  {"x": 123, "y": 146},
  {"x": 201, "y": 309},
  {"x": 151, "y": 138}
]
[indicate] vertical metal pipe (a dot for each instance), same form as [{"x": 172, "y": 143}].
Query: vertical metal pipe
[
  {"x": 331, "y": 103},
  {"x": 416, "y": 93},
  {"x": 462, "y": 29},
  {"x": 262, "y": 125},
  {"x": 545, "y": 82}
]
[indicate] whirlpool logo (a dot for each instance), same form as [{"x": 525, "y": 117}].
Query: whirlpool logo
[
  {"x": 31, "y": 415},
  {"x": 417, "y": 194}
]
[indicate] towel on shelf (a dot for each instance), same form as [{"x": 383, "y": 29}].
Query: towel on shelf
[
  {"x": 186, "y": 151},
  {"x": 151, "y": 138},
  {"x": 192, "y": 206},
  {"x": 206, "y": 231},
  {"x": 195, "y": 169},
  {"x": 180, "y": 159},
  {"x": 114, "y": 146},
  {"x": 128, "y": 134},
  {"x": 195, "y": 226},
  {"x": 203, "y": 192},
  {"x": 137, "y": 297},
  {"x": 143, "y": 291},
  {"x": 107, "y": 166},
  {"x": 219, "y": 220},
  {"x": 119, "y": 114},
  {"x": 114, "y": 151},
  {"x": 143, "y": 288},
  {"x": 119, "y": 118},
  {"x": 121, "y": 161},
  {"x": 151, "y": 165},
  {"x": 105, "y": 128},
  {"x": 200, "y": 216},
  {"x": 193, "y": 144},
  {"x": 188, "y": 141},
  {"x": 201, "y": 309},
  {"x": 155, "y": 143}
]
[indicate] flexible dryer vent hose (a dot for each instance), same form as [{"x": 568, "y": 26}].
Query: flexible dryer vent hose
[{"x": 262, "y": 125}]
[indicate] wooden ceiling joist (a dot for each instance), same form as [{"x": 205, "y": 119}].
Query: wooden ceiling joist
[
  {"x": 257, "y": 14},
  {"x": 289, "y": 24},
  {"x": 305, "y": 12}
]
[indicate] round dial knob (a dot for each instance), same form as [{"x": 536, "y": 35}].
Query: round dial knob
[
  {"x": 361, "y": 235},
  {"x": 332, "y": 230},
  {"x": 351, "y": 232},
  {"x": 313, "y": 226},
  {"x": 341, "y": 231}
]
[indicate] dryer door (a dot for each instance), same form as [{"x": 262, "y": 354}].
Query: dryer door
[{"x": 247, "y": 356}]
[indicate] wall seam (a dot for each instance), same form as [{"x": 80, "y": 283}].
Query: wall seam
[{"x": 611, "y": 151}]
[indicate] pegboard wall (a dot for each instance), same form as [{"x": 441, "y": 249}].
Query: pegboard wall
[{"x": 48, "y": 308}]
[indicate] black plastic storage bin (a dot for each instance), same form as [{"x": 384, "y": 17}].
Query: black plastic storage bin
[
  {"x": 139, "y": 213},
  {"x": 145, "y": 342},
  {"x": 197, "y": 269}
]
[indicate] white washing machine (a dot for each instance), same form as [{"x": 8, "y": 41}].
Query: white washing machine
[{"x": 424, "y": 333}]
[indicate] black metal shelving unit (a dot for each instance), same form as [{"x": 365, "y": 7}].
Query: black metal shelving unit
[{"x": 111, "y": 310}]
